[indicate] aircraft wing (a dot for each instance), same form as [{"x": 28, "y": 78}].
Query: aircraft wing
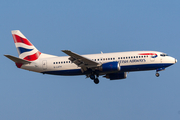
[{"x": 81, "y": 61}]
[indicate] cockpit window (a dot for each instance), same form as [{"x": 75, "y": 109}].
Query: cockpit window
[{"x": 163, "y": 55}]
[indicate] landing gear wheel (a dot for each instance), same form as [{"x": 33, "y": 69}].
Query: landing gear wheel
[
  {"x": 96, "y": 81},
  {"x": 92, "y": 77},
  {"x": 157, "y": 74}
]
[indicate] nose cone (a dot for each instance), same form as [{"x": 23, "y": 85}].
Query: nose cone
[
  {"x": 175, "y": 60},
  {"x": 170, "y": 60}
]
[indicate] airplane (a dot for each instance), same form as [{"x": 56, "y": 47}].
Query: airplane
[{"x": 113, "y": 66}]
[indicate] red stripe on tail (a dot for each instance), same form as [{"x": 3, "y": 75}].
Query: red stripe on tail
[
  {"x": 18, "y": 39},
  {"x": 33, "y": 57}
]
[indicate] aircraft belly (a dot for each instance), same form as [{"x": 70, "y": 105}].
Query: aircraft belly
[
  {"x": 142, "y": 67},
  {"x": 68, "y": 72}
]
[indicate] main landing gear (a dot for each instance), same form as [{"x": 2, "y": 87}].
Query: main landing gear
[{"x": 95, "y": 78}]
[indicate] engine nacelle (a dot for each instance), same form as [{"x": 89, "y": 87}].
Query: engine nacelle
[
  {"x": 110, "y": 67},
  {"x": 116, "y": 76}
]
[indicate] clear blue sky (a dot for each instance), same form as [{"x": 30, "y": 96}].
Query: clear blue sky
[{"x": 87, "y": 27}]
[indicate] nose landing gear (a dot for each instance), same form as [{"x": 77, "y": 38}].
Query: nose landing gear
[
  {"x": 159, "y": 69},
  {"x": 157, "y": 74}
]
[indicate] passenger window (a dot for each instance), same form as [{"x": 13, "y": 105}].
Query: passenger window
[
  {"x": 163, "y": 55},
  {"x": 61, "y": 62},
  {"x": 113, "y": 58},
  {"x": 56, "y": 62},
  {"x": 136, "y": 56}
]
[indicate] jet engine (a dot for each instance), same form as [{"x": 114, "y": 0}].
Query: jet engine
[
  {"x": 110, "y": 67},
  {"x": 116, "y": 76}
]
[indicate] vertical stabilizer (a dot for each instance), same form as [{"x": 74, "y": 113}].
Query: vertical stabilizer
[{"x": 25, "y": 48}]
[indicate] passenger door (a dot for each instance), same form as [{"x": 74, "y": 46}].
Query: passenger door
[{"x": 44, "y": 64}]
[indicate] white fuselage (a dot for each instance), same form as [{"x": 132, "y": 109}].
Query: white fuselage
[{"x": 129, "y": 61}]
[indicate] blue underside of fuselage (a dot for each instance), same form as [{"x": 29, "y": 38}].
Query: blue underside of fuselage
[{"x": 128, "y": 68}]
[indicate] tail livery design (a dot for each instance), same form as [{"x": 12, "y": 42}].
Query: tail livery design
[{"x": 25, "y": 48}]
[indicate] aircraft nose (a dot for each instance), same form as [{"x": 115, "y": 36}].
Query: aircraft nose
[{"x": 175, "y": 60}]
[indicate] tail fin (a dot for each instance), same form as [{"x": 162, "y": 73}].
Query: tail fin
[{"x": 25, "y": 48}]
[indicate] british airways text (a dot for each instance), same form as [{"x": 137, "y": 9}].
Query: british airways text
[{"x": 132, "y": 61}]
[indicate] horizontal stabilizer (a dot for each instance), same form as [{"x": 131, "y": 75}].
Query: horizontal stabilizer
[{"x": 17, "y": 60}]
